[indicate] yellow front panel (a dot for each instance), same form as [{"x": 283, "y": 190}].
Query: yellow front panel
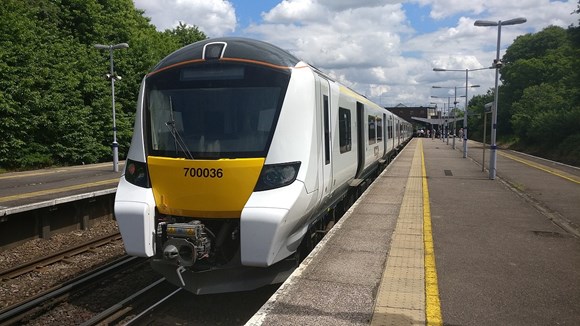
[{"x": 203, "y": 188}]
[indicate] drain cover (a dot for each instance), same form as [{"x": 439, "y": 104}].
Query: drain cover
[{"x": 448, "y": 173}]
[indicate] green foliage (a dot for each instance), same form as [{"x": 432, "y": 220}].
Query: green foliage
[
  {"x": 532, "y": 60},
  {"x": 539, "y": 98},
  {"x": 569, "y": 150},
  {"x": 537, "y": 45},
  {"x": 475, "y": 123},
  {"x": 186, "y": 35},
  {"x": 55, "y": 105},
  {"x": 540, "y": 92},
  {"x": 538, "y": 104}
]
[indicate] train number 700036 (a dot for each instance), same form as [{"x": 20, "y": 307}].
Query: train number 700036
[{"x": 203, "y": 172}]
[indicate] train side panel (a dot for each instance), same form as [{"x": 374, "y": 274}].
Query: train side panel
[
  {"x": 137, "y": 207},
  {"x": 343, "y": 139},
  {"x": 273, "y": 221}
]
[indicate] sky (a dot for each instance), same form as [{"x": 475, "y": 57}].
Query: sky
[{"x": 383, "y": 49}]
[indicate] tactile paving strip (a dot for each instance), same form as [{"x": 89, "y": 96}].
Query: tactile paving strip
[{"x": 401, "y": 297}]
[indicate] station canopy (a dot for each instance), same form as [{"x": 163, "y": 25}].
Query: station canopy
[{"x": 437, "y": 121}]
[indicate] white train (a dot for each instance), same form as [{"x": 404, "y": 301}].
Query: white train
[{"x": 242, "y": 157}]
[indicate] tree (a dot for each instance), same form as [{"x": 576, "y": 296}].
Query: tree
[
  {"x": 475, "y": 122},
  {"x": 537, "y": 104},
  {"x": 533, "y": 59},
  {"x": 55, "y": 105},
  {"x": 540, "y": 93},
  {"x": 186, "y": 35}
]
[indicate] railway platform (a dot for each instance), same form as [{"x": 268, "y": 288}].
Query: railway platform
[
  {"x": 30, "y": 190},
  {"x": 434, "y": 241},
  {"x": 37, "y": 204}
]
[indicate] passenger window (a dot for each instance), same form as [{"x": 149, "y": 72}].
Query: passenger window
[
  {"x": 326, "y": 131},
  {"x": 372, "y": 130},
  {"x": 379, "y": 129},
  {"x": 344, "y": 130}
]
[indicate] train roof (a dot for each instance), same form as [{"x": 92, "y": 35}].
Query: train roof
[{"x": 234, "y": 48}]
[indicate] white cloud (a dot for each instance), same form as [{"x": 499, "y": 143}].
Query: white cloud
[
  {"x": 213, "y": 17},
  {"x": 370, "y": 45},
  {"x": 362, "y": 37},
  {"x": 290, "y": 11}
]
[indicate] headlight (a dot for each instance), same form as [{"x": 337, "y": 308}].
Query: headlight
[
  {"x": 277, "y": 175},
  {"x": 136, "y": 173}
]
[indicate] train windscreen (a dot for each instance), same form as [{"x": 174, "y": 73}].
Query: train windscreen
[{"x": 213, "y": 110}]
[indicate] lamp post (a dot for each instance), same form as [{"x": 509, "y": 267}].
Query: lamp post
[
  {"x": 113, "y": 77},
  {"x": 446, "y": 117},
  {"x": 486, "y": 110},
  {"x": 496, "y": 64},
  {"x": 466, "y": 102},
  {"x": 464, "y": 114}
]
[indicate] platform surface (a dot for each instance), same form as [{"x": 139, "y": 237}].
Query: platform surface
[
  {"x": 435, "y": 242},
  {"x": 23, "y": 191}
]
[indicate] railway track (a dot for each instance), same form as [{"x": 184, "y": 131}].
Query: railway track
[
  {"x": 162, "y": 303},
  {"x": 59, "y": 256},
  {"x": 131, "y": 310},
  {"x": 43, "y": 301}
]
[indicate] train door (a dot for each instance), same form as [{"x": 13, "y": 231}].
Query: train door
[
  {"x": 360, "y": 134},
  {"x": 398, "y": 131},
  {"x": 392, "y": 131},
  {"x": 323, "y": 99},
  {"x": 385, "y": 135}
]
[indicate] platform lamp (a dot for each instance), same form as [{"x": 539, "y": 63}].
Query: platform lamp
[
  {"x": 466, "y": 101},
  {"x": 112, "y": 76},
  {"x": 497, "y": 64}
]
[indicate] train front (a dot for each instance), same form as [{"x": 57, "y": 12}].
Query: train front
[{"x": 205, "y": 121}]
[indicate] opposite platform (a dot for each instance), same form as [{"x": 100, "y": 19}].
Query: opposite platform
[{"x": 30, "y": 190}]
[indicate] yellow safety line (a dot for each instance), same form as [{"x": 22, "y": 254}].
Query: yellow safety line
[
  {"x": 432, "y": 302},
  {"x": 541, "y": 167},
  {"x": 52, "y": 191},
  {"x": 53, "y": 171}
]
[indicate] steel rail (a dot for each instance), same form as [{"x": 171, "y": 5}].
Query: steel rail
[
  {"x": 13, "y": 313},
  {"x": 117, "y": 310},
  {"x": 32, "y": 265}
]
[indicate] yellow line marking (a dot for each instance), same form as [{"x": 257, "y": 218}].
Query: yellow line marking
[
  {"x": 52, "y": 191},
  {"x": 432, "y": 301},
  {"x": 53, "y": 171},
  {"x": 542, "y": 167}
]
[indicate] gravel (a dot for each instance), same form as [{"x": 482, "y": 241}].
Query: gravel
[
  {"x": 22, "y": 287},
  {"x": 39, "y": 247}
]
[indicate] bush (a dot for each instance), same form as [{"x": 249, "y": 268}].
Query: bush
[
  {"x": 33, "y": 156},
  {"x": 569, "y": 150}
]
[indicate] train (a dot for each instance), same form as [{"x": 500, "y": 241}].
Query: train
[{"x": 242, "y": 158}]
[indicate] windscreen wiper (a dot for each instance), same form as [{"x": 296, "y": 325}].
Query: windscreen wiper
[{"x": 179, "y": 142}]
